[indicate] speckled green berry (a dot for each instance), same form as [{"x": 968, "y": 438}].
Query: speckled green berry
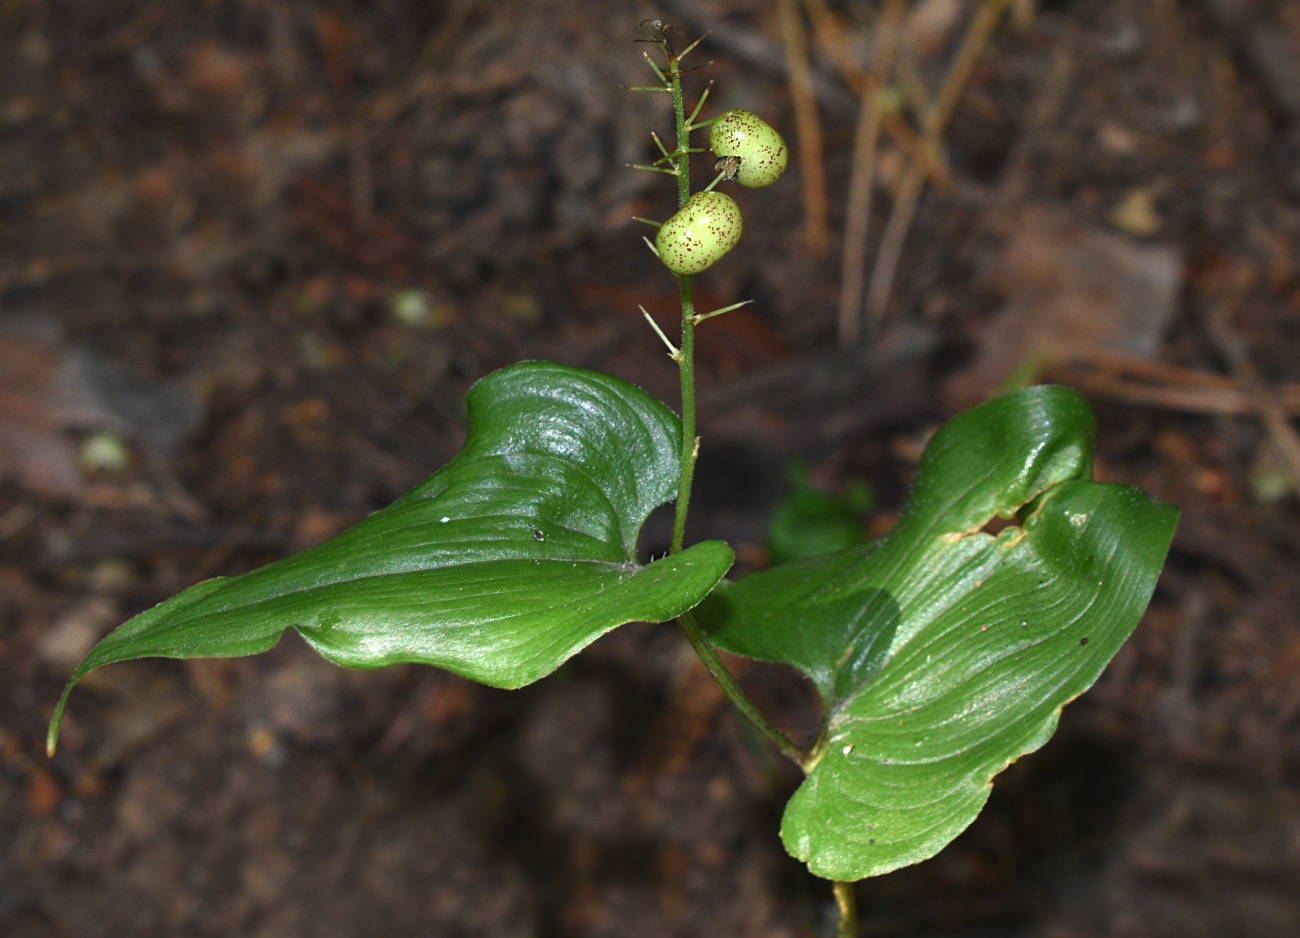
[
  {"x": 763, "y": 154},
  {"x": 704, "y": 229}
]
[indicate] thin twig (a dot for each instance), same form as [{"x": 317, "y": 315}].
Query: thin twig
[
  {"x": 687, "y": 51},
  {"x": 1145, "y": 382},
  {"x": 831, "y": 36},
  {"x": 936, "y": 118},
  {"x": 808, "y": 126},
  {"x": 1280, "y": 431},
  {"x": 862, "y": 177},
  {"x": 753, "y": 49},
  {"x": 891, "y": 248},
  {"x": 684, "y": 354},
  {"x": 977, "y": 37},
  {"x": 909, "y": 76},
  {"x": 1191, "y": 400},
  {"x": 657, "y": 70},
  {"x": 1101, "y": 358}
]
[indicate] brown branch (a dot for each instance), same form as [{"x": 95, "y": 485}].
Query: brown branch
[
  {"x": 862, "y": 176},
  {"x": 809, "y": 128},
  {"x": 1135, "y": 366},
  {"x": 763, "y": 56},
  {"x": 936, "y": 118},
  {"x": 891, "y": 248},
  {"x": 977, "y": 37},
  {"x": 1230, "y": 402},
  {"x": 1149, "y": 383},
  {"x": 867, "y": 85},
  {"x": 1279, "y": 428}
]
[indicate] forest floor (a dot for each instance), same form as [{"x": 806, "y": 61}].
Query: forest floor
[{"x": 207, "y": 211}]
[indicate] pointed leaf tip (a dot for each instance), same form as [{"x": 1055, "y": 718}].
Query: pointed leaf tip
[{"x": 512, "y": 558}]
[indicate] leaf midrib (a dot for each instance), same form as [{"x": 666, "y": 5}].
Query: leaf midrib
[{"x": 627, "y": 567}]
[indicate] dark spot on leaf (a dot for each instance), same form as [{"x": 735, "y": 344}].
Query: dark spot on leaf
[
  {"x": 541, "y": 537},
  {"x": 1083, "y": 641}
]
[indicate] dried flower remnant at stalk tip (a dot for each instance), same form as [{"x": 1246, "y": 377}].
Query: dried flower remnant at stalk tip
[
  {"x": 703, "y": 230},
  {"x": 728, "y": 166},
  {"x": 748, "y": 148}
]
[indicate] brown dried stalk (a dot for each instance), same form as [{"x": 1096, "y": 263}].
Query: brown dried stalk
[
  {"x": 808, "y": 126},
  {"x": 935, "y": 120},
  {"x": 862, "y": 176},
  {"x": 831, "y": 36},
  {"x": 1233, "y": 349},
  {"x": 1147, "y": 382}
]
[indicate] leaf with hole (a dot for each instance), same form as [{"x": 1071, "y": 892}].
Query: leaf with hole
[
  {"x": 944, "y": 652},
  {"x": 517, "y": 554}
]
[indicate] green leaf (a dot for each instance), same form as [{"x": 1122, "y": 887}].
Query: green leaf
[
  {"x": 510, "y": 560},
  {"x": 812, "y": 522},
  {"x": 943, "y": 653}
]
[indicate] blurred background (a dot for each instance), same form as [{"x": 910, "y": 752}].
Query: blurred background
[{"x": 254, "y": 252}]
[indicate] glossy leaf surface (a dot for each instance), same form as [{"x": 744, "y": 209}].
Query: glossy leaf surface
[
  {"x": 942, "y": 652},
  {"x": 516, "y": 555}
]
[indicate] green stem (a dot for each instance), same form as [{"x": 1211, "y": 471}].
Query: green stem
[
  {"x": 683, "y": 132},
  {"x": 686, "y": 356},
  {"x": 691, "y": 448},
  {"x": 738, "y": 698},
  {"x": 847, "y": 901},
  {"x": 690, "y": 442}
]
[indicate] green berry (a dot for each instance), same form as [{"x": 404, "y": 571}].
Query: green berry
[
  {"x": 704, "y": 229},
  {"x": 762, "y": 153}
]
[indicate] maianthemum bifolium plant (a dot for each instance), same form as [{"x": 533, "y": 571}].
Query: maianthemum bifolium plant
[{"x": 941, "y": 653}]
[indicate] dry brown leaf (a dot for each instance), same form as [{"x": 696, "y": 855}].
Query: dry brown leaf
[
  {"x": 1068, "y": 285},
  {"x": 47, "y": 393}
]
